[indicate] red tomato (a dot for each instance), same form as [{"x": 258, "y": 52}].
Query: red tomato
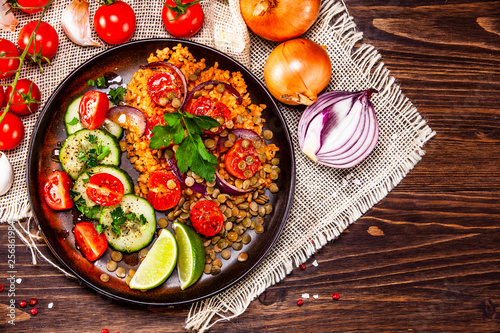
[
  {"x": 207, "y": 218},
  {"x": 32, "y": 3},
  {"x": 56, "y": 190},
  {"x": 93, "y": 109},
  {"x": 184, "y": 25},
  {"x": 105, "y": 189},
  {"x": 159, "y": 85},
  {"x": 8, "y": 67},
  {"x": 205, "y": 107},
  {"x": 91, "y": 243},
  {"x": 20, "y": 106},
  {"x": 242, "y": 162},
  {"x": 2, "y": 96},
  {"x": 152, "y": 122},
  {"x": 46, "y": 40},
  {"x": 164, "y": 190},
  {"x": 115, "y": 23},
  {"x": 11, "y": 131}
]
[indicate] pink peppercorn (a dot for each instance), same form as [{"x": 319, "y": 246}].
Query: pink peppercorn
[
  {"x": 300, "y": 302},
  {"x": 335, "y": 296}
]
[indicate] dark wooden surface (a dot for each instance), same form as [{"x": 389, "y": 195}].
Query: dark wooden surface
[{"x": 425, "y": 259}]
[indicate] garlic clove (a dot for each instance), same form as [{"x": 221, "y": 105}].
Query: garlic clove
[
  {"x": 76, "y": 23},
  {"x": 7, "y": 174},
  {"x": 8, "y": 22}
]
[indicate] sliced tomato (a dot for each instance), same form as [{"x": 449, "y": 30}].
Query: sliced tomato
[
  {"x": 159, "y": 86},
  {"x": 91, "y": 243},
  {"x": 152, "y": 122},
  {"x": 206, "y": 107},
  {"x": 206, "y": 218},
  {"x": 242, "y": 160},
  {"x": 93, "y": 109},
  {"x": 56, "y": 190},
  {"x": 164, "y": 190},
  {"x": 105, "y": 189}
]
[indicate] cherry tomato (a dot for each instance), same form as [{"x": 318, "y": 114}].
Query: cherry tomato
[
  {"x": 206, "y": 218},
  {"x": 20, "y": 106},
  {"x": 152, "y": 122},
  {"x": 205, "y": 107},
  {"x": 46, "y": 40},
  {"x": 93, "y": 109},
  {"x": 242, "y": 160},
  {"x": 56, "y": 190},
  {"x": 105, "y": 189},
  {"x": 159, "y": 87},
  {"x": 115, "y": 23},
  {"x": 8, "y": 67},
  {"x": 164, "y": 190},
  {"x": 11, "y": 131},
  {"x": 32, "y": 3},
  {"x": 184, "y": 25},
  {"x": 2, "y": 97},
  {"x": 91, "y": 243}
]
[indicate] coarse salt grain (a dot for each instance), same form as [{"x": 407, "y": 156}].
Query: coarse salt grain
[
  {"x": 19, "y": 280},
  {"x": 315, "y": 296},
  {"x": 305, "y": 295},
  {"x": 315, "y": 263},
  {"x": 50, "y": 305}
]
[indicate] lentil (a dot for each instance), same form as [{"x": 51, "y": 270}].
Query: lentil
[
  {"x": 104, "y": 277},
  {"x": 243, "y": 256},
  {"x": 111, "y": 266},
  {"x": 116, "y": 256}
]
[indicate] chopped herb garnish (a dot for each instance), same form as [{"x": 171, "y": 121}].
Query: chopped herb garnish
[
  {"x": 90, "y": 83},
  {"x": 191, "y": 153},
  {"x": 100, "y": 228},
  {"x": 73, "y": 121},
  {"x": 95, "y": 154},
  {"x": 119, "y": 217},
  {"x": 101, "y": 82},
  {"x": 143, "y": 219},
  {"x": 116, "y": 95},
  {"x": 85, "y": 180},
  {"x": 92, "y": 212}
]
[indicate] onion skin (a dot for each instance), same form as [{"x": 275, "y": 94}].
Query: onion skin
[
  {"x": 279, "y": 21},
  {"x": 297, "y": 70}
]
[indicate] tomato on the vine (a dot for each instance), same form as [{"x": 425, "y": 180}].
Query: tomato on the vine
[
  {"x": 91, "y": 243},
  {"x": 8, "y": 67},
  {"x": 56, "y": 190},
  {"x": 46, "y": 40},
  {"x": 114, "y": 21},
  {"x": 32, "y": 3},
  {"x": 11, "y": 131},
  {"x": 206, "y": 218},
  {"x": 93, "y": 109},
  {"x": 182, "y": 18},
  {"x": 26, "y": 97}
]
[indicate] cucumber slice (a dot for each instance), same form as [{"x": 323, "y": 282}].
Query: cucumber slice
[
  {"x": 80, "y": 185},
  {"x": 73, "y": 123},
  {"x": 133, "y": 235},
  {"x": 79, "y": 142}
]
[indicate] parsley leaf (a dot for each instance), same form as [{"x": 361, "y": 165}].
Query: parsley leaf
[
  {"x": 143, "y": 219},
  {"x": 95, "y": 154},
  {"x": 116, "y": 95},
  {"x": 92, "y": 212},
  {"x": 101, "y": 82},
  {"x": 191, "y": 153},
  {"x": 73, "y": 121},
  {"x": 100, "y": 228},
  {"x": 90, "y": 83}
]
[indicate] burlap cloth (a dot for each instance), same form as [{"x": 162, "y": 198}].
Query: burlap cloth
[{"x": 326, "y": 200}]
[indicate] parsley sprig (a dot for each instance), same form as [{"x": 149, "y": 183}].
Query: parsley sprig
[
  {"x": 92, "y": 212},
  {"x": 118, "y": 217},
  {"x": 184, "y": 129},
  {"x": 95, "y": 154}
]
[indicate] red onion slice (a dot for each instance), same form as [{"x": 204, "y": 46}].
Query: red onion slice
[
  {"x": 133, "y": 118},
  {"x": 228, "y": 188},
  {"x": 240, "y": 133},
  {"x": 227, "y": 86},
  {"x": 158, "y": 64},
  {"x": 182, "y": 178}
]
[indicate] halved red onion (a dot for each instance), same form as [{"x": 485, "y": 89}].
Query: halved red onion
[
  {"x": 227, "y": 86},
  {"x": 158, "y": 64},
  {"x": 172, "y": 164},
  {"x": 340, "y": 129},
  {"x": 225, "y": 187},
  {"x": 133, "y": 118},
  {"x": 240, "y": 133}
]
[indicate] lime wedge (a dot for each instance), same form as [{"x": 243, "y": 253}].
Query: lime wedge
[
  {"x": 158, "y": 264},
  {"x": 191, "y": 259}
]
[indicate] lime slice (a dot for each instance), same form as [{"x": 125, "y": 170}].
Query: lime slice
[
  {"x": 158, "y": 264},
  {"x": 191, "y": 259}
]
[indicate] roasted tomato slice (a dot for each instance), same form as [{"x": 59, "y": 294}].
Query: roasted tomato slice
[
  {"x": 206, "y": 107},
  {"x": 164, "y": 190},
  {"x": 152, "y": 122},
  {"x": 93, "y": 109},
  {"x": 91, "y": 243},
  {"x": 242, "y": 160},
  {"x": 162, "y": 88},
  {"x": 105, "y": 189},
  {"x": 56, "y": 190},
  {"x": 207, "y": 218}
]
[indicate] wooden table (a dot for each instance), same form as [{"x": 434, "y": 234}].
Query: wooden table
[{"x": 425, "y": 259}]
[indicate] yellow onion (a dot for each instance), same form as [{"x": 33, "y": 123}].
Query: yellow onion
[{"x": 297, "y": 70}]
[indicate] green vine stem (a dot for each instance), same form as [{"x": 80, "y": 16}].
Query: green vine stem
[{"x": 22, "y": 57}]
